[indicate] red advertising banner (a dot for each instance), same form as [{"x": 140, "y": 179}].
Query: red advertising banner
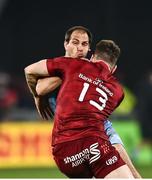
[{"x": 25, "y": 144}]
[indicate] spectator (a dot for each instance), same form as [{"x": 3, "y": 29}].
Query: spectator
[{"x": 8, "y": 96}]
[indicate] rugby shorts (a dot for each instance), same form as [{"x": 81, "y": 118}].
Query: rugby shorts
[{"x": 86, "y": 158}]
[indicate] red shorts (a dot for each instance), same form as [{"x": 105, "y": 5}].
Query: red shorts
[{"x": 87, "y": 158}]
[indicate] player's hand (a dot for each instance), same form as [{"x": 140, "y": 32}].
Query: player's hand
[{"x": 43, "y": 107}]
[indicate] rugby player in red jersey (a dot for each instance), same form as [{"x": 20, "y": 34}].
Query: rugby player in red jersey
[
  {"x": 77, "y": 44},
  {"x": 88, "y": 95}
]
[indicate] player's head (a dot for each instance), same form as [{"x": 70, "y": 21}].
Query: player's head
[
  {"x": 108, "y": 51},
  {"x": 77, "y": 42}
]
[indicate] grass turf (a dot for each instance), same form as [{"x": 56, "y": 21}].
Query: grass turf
[
  {"x": 145, "y": 171},
  {"x": 31, "y": 173}
]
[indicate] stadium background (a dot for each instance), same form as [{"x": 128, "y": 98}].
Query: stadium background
[{"x": 33, "y": 30}]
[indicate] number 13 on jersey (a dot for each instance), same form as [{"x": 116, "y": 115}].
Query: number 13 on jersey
[{"x": 102, "y": 97}]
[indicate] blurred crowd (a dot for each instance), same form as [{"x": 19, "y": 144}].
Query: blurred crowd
[{"x": 16, "y": 103}]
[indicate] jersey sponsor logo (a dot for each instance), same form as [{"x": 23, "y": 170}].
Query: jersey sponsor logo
[
  {"x": 78, "y": 158},
  {"x": 97, "y": 82},
  {"x": 112, "y": 160},
  {"x": 84, "y": 155},
  {"x": 95, "y": 152}
]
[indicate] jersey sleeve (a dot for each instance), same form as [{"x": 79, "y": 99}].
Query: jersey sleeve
[{"x": 56, "y": 66}]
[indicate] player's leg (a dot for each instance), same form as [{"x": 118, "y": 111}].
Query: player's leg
[
  {"x": 116, "y": 141},
  {"x": 121, "y": 172},
  {"x": 124, "y": 155}
]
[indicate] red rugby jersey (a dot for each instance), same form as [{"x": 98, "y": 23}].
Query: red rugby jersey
[{"x": 88, "y": 95}]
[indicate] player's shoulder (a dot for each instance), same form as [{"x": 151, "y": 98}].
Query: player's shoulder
[{"x": 117, "y": 86}]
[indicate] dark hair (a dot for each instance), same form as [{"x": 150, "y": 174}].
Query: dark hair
[
  {"x": 107, "y": 50},
  {"x": 74, "y": 28}
]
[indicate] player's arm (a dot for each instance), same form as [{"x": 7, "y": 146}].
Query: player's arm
[
  {"x": 47, "y": 85},
  {"x": 33, "y": 72}
]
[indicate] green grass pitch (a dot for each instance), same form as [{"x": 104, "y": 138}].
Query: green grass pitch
[{"x": 146, "y": 172}]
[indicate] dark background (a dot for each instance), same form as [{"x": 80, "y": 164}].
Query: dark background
[{"x": 31, "y": 30}]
